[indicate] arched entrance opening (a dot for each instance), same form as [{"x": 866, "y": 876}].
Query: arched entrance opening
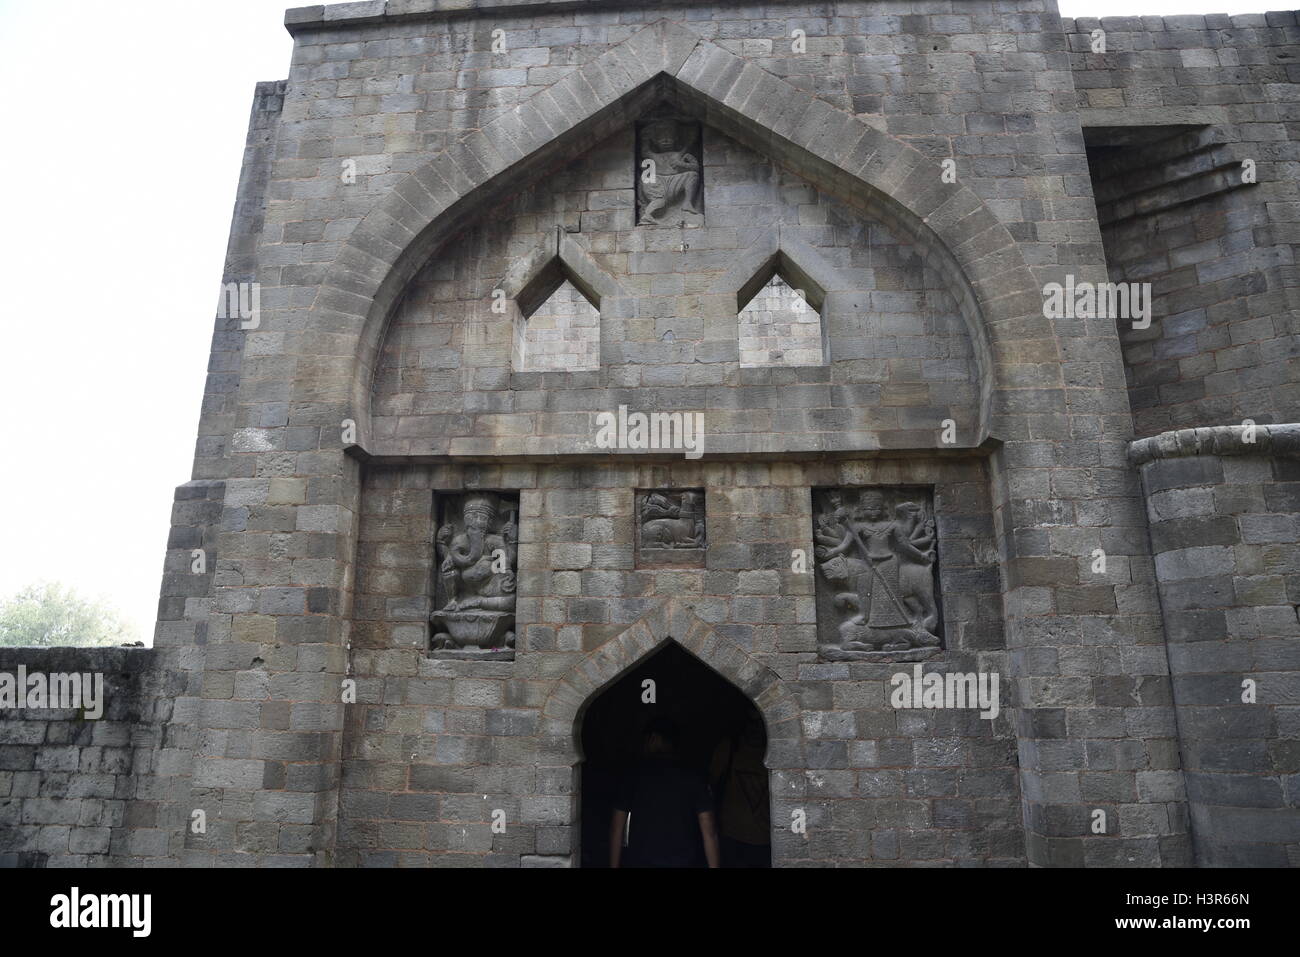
[{"x": 721, "y": 737}]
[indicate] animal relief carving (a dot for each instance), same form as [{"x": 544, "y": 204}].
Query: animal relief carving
[{"x": 670, "y": 526}]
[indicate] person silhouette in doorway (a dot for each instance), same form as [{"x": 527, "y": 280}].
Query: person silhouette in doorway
[{"x": 664, "y": 809}]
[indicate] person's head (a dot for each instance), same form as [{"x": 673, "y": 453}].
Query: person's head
[
  {"x": 660, "y": 736},
  {"x": 753, "y": 733}
]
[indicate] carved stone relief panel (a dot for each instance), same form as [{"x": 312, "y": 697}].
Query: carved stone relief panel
[
  {"x": 669, "y": 171},
  {"x": 474, "y": 588},
  {"x": 877, "y": 559},
  {"x": 670, "y": 527}
]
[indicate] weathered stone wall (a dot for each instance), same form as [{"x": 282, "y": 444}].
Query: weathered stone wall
[
  {"x": 1190, "y": 123},
  {"x": 1240, "y": 66},
  {"x": 434, "y": 746},
  {"x": 165, "y": 799},
  {"x": 405, "y": 170},
  {"x": 562, "y": 335},
  {"x": 900, "y": 356},
  {"x": 68, "y": 782},
  {"x": 779, "y": 327},
  {"x": 881, "y": 95},
  {"x": 1225, "y": 529}
]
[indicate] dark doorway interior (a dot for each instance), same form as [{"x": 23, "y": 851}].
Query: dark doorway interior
[{"x": 712, "y": 716}]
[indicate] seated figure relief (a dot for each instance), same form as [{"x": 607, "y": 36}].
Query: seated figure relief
[
  {"x": 876, "y": 574},
  {"x": 670, "y": 184},
  {"x": 477, "y": 562}
]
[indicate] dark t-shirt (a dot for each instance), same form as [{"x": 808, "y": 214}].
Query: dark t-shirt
[{"x": 665, "y": 801}]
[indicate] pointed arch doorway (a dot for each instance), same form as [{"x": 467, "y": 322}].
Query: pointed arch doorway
[
  {"x": 570, "y": 700},
  {"x": 720, "y": 738}
]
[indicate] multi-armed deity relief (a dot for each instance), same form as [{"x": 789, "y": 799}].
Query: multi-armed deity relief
[
  {"x": 670, "y": 183},
  {"x": 876, "y": 560},
  {"x": 670, "y": 527},
  {"x": 474, "y": 594}
]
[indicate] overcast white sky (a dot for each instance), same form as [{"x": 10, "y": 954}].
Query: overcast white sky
[{"x": 123, "y": 128}]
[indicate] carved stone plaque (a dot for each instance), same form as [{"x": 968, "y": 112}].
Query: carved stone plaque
[
  {"x": 474, "y": 586},
  {"x": 669, "y": 172},
  {"x": 670, "y": 527},
  {"x": 876, "y": 557}
]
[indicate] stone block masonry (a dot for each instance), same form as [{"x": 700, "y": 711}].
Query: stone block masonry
[
  {"x": 430, "y": 174},
  {"x": 75, "y": 790},
  {"x": 1224, "y": 507},
  {"x": 434, "y": 747}
]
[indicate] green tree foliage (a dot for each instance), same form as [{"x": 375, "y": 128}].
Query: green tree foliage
[{"x": 50, "y": 614}]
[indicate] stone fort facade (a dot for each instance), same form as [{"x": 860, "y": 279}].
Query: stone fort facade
[{"x": 848, "y": 241}]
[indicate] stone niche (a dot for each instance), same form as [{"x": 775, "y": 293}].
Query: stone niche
[
  {"x": 670, "y": 527},
  {"x": 876, "y": 553},
  {"x": 477, "y": 545},
  {"x": 669, "y": 171}
]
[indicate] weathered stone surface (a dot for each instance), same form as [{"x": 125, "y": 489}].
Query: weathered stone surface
[
  {"x": 876, "y": 559},
  {"x": 924, "y": 176},
  {"x": 671, "y": 527},
  {"x": 475, "y": 595},
  {"x": 1223, "y": 584}
]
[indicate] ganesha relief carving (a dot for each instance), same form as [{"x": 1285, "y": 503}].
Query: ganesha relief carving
[
  {"x": 876, "y": 561},
  {"x": 474, "y": 593}
]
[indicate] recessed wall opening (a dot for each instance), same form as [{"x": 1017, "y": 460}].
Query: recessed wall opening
[
  {"x": 559, "y": 325},
  {"x": 1178, "y": 219},
  {"x": 779, "y": 321},
  {"x": 720, "y": 739}
]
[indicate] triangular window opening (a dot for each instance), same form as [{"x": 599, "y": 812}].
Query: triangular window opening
[
  {"x": 562, "y": 334},
  {"x": 779, "y": 327}
]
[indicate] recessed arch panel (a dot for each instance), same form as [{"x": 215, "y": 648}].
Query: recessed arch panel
[{"x": 878, "y": 174}]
